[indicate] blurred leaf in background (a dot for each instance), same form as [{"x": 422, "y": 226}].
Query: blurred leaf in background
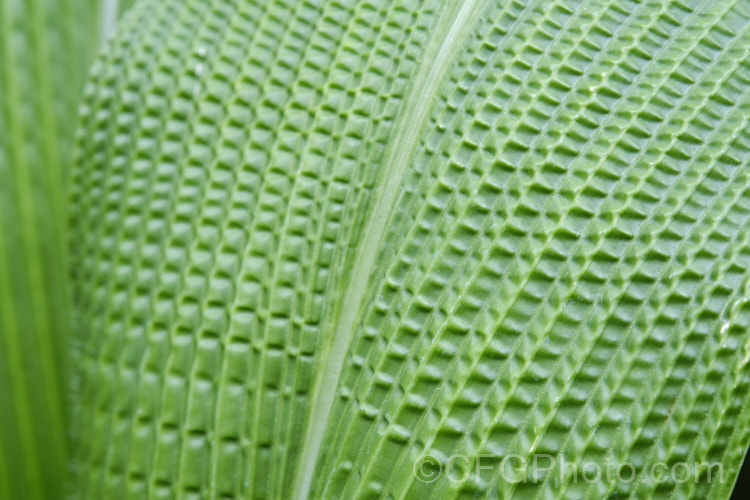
[{"x": 46, "y": 47}]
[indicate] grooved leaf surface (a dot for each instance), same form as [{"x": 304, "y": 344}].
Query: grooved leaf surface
[
  {"x": 45, "y": 49},
  {"x": 316, "y": 240}
]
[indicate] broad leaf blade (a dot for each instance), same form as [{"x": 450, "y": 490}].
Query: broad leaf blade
[{"x": 317, "y": 241}]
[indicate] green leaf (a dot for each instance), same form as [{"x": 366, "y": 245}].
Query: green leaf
[
  {"x": 45, "y": 49},
  {"x": 348, "y": 249}
]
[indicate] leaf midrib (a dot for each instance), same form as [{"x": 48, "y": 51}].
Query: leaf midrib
[{"x": 451, "y": 30}]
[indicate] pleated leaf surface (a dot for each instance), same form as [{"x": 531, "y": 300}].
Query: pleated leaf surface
[{"x": 317, "y": 241}]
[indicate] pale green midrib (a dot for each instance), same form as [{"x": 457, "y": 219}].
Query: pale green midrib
[
  {"x": 451, "y": 30},
  {"x": 109, "y": 10}
]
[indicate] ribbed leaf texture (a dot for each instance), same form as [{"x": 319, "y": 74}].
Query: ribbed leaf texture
[
  {"x": 46, "y": 47},
  {"x": 316, "y": 240}
]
